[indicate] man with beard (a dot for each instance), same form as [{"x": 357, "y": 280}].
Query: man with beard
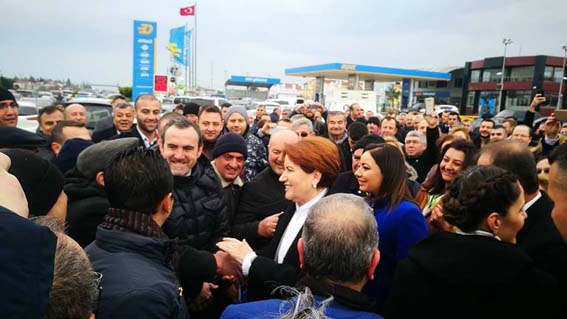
[
  {"x": 484, "y": 131},
  {"x": 211, "y": 124},
  {"x": 147, "y": 109},
  {"x": 309, "y": 110},
  {"x": 262, "y": 199},
  {"x": 355, "y": 112},
  {"x": 198, "y": 218}
]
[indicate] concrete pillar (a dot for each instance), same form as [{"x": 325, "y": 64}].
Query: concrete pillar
[
  {"x": 320, "y": 89},
  {"x": 410, "y": 96},
  {"x": 369, "y": 85},
  {"x": 353, "y": 80}
]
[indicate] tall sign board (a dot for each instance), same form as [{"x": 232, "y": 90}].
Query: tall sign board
[{"x": 144, "y": 58}]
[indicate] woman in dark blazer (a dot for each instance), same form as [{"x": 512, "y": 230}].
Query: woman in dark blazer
[
  {"x": 311, "y": 166},
  {"x": 476, "y": 272}
]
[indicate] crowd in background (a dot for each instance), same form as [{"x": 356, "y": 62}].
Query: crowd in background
[{"x": 211, "y": 212}]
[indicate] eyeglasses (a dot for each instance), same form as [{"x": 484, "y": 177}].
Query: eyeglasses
[
  {"x": 302, "y": 134},
  {"x": 97, "y": 284},
  {"x": 545, "y": 170}
]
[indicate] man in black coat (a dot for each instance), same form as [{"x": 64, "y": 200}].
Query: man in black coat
[
  {"x": 229, "y": 155},
  {"x": 199, "y": 211},
  {"x": 122, "y": 121},
  {"x": 27, "y": 254},
  {"x": 198, "y": 218},
  {"x": 421, "y": 151},
  {"x": 262, "y": 199},
  {"x": 87, "y": 202}
]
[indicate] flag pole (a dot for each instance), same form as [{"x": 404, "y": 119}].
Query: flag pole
[
  {"x": 186, "y": 62},
  {"x": 195, "y": 48}
]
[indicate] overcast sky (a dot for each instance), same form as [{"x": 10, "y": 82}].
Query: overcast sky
[{"x": 92, "y": 40}]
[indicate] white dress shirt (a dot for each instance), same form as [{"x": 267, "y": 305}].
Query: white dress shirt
[
  {"x": 291, "y": 231},
  {"x": 147, "y": 142},
  {"x": 532, "y": 201}
]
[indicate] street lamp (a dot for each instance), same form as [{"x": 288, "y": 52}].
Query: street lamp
[
  {"x": 506, "y": 42},
  {"x": 559, "y": 96}
]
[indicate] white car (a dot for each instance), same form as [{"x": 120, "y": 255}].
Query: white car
[
  {"x": 201, "y": 100},
  {"x": 270, "y": 106},
  {"x": 27, "y": 116},
  {"x": 446, "y": 107}
]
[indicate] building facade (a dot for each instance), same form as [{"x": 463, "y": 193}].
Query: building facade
[{"x": 523, "y": 77}]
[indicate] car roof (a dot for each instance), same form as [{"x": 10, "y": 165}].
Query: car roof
[{"x": 89, "y": 100}]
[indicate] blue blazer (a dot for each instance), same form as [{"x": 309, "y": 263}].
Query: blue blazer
[{"x": 399, "y": 229}]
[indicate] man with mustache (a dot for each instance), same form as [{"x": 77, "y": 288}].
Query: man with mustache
[
  {"x": 198, "y": 219},
  {"x": 229, "y": 155},
  {"x": 122, "y": 121}
]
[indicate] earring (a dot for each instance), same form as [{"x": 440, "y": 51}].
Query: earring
[{"x": 314, "y": 185}]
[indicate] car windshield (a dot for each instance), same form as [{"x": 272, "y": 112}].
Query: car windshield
[{"x": 27, "y": 110}]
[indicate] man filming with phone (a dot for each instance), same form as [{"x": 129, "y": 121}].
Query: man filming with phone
[{"x": 550, "y": 128}]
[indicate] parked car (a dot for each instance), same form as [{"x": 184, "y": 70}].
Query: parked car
[
  {"x": 201, "y": 100},
  {"x": 27, "y": 116},
  {"x": 446, "y": 108},
  {"x": 270, "y": 106},
  {"x": 97, "y": 109}
]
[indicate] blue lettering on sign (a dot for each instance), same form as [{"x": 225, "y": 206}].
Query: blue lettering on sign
[
  {"x": 254, "y": 80},
  {"x": 143, "y": 58}
]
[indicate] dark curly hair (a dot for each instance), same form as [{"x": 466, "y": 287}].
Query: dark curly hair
[{"x": 478, "y": 192}]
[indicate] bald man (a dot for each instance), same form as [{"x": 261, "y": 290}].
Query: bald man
[
  {"x": 76, "y": 112},
  {"x": 262, "y": 199}
]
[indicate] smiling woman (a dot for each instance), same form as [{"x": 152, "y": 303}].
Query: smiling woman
[
  {"x": 310, "y": 168},
  {"x": 382, "y": 175},
  {"x": 455, "y": 158}
]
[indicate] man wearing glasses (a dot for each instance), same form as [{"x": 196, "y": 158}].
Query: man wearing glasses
[{"x": 8, "y": 109}]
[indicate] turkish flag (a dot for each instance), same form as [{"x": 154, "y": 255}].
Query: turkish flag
[{"x": 187, "y": 11}]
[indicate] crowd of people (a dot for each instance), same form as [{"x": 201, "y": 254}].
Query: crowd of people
[{"x": 213, "y": 212}]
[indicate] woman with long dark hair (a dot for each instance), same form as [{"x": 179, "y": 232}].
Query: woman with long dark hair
[{"x": 382, "y": 175}]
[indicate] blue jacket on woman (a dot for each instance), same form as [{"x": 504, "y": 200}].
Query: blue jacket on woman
[{"x": 399, "y": 230}]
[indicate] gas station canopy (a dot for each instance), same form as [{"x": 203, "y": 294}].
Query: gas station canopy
[
  {"x": 366, "y": 73},
  {"x": 251, "y": 81}
]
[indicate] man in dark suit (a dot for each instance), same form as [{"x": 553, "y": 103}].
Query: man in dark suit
[
  {"x": 123, "y": 119},
  {"x": 147, "y": 109},
  {"x": 558, "y": 187},
  {"x": 539, "y": 237}
]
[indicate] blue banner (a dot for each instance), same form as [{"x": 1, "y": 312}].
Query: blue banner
[
  {"x": 254, "y": 80},
  {"x": 178, "y": 46},
  {"x": 144, "y": 58}
]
